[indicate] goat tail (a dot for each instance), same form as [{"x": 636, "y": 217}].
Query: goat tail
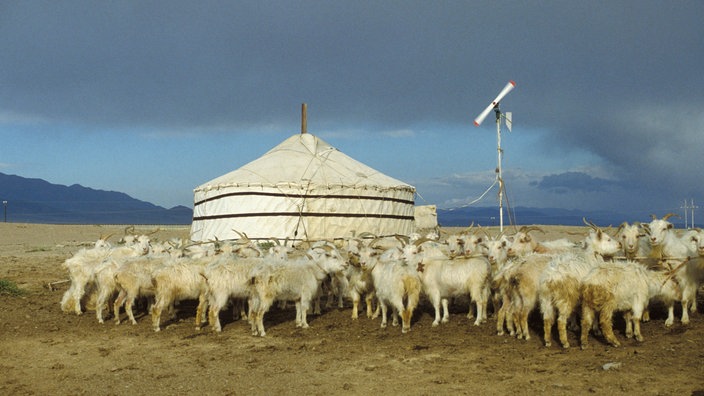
[
  {"x": 411, "y": 291},
  {"x": 514, "y": 281}
]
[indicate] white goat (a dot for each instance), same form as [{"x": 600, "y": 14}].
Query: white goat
[
  {"x": 497, "y": 254},
  {"x": 443, "y": 278},
  {"x": 360, "y": 283},
  {"x": 523, "y": 243},
  {"x": 292, "y": 280},
  {"x": 497, "y": 251},
  {"x": 81, "y": 270},
  {"x": 561, "y": 280},
  {"x": 517, "y": 284},
  {"x": 466, "y": 243},
  {"x": 621, "y": 286},
  {"x": 522, "y": 289},
  {"x": 133, "y": 279},
  {"x": 180, "y": 280},
  {"x": 671, "y": 251},
  {"x": 105, "y": 272},
  {"x": 633, "y": 241},
  {"x": 395, "y": 282},
  {"x": 227, "y": 278},
  {"x": 695, "y": 237},
  {"x": 502, "y": 298},
  {"x": 665, "y": 244},
  {"x": 690, "y": 274}
]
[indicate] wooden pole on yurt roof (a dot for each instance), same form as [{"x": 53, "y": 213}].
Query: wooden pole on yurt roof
[{"x": 304, "y": 127}]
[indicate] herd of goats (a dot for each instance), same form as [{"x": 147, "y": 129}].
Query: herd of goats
[{"x": 579, "y": 285}]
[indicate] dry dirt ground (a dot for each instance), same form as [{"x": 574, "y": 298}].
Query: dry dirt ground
[{"x": 44, "y": 351}]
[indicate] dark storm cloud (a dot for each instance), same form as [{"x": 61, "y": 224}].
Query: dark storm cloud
[
  {"x": 573, "y": 182},
  {"x": 386, "y": 63},
  {"x": 621, "y": 80}
]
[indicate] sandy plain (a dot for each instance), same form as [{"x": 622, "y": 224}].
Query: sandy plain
[{"x": 46, "y": 351}]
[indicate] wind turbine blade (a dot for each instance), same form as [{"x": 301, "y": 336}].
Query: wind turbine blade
[
  {"x": 509, "y": 120},
  {"x": 480, "y": 118},
  {"x": 508, "y": 88},
  {"x": 511, "y": 84}
]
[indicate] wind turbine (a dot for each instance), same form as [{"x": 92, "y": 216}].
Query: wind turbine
[{"x": 494, "y": 105}]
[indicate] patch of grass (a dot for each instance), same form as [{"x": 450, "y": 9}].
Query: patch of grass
[
  {"x": 264, "y": 246},
  {"x": 9, "y": 288}
]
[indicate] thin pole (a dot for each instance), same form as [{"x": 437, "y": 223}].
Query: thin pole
[
  {"x": 498, "y": 168},
  {"x": 304, "y": 126},
  {"x": 685, "y": 214}
]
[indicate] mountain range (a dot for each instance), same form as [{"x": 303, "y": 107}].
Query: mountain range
[
  {"x": 463, "y": 217},
  {"x": 38, "y": 201}
]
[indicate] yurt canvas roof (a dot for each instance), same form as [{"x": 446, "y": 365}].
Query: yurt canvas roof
[{"x": 302, "y": 189}]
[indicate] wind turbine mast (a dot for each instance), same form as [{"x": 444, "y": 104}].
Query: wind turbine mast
[{"x": 494, "y": 105}]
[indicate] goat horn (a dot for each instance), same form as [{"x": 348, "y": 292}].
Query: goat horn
[
  {"x": 420, "y": 241},
  {"x": 328, "y": 248},
  {"x": 590, "y": 224},
  {"x": 155, "y": 231},
  {"x": 241, "y": 234},
  {"x": 621, "y": 227},
  {"x": 403, "y": 239},
  {"x": 479, "y": 228},
  {"x": 243, "y": 238},
  {"x": 667, "y": 216},
  {"x": 527, "y": 229}
]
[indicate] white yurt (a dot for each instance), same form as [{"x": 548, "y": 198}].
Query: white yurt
[{"x": 302, "y": 189}]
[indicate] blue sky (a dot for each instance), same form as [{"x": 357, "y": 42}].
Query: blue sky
[{"x": 153, "y": 98}]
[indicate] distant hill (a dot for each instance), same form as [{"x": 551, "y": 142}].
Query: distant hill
[
  {"x": 462, "y": 217},
  {"x": 38, "y": 201}
]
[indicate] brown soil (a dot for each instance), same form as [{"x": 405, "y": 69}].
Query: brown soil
[{"x": 46, "y": 351}]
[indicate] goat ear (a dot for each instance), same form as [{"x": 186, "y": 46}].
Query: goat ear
[{"x": 669, "y": 226}]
